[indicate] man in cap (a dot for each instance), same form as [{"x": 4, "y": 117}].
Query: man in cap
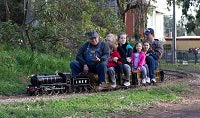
[
  {"x": 93, "y": 57},
  {"x": 155, "y": 54}
]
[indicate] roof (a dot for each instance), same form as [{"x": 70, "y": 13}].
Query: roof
[{"x": 185, "y": 38}]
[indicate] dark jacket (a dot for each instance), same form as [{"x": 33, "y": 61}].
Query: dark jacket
[
  {"x": 104, "y": 49},
  {"x": 157, "y": 47},
  {"x": 125, "y": 51}
]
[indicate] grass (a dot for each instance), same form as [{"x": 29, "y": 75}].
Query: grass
[
  {"x": 191, "y": 67},
  {"x": 94, "y": 105},
  {"x": 16, "y": 65}
]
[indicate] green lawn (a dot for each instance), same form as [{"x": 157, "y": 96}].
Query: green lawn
[
  {"x": 17, "y": 65},
  {"x": 94, "y": 105}
]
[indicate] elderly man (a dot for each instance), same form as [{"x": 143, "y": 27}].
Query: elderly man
[
  {"x": 157, "y": 48},
  {"x": 93, "y": 57}
]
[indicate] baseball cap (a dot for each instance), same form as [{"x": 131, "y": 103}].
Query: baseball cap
[
  {"x": 149, "y": 31},
  {"x": 93, "y": 34}
]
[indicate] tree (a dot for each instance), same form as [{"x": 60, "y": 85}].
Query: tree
[
  {"x": 12, "y": 10},
  {"x": 188, "y": 9},
  {"x": 59, "y": 23},
  {"x": 142, "y": 7},
  {"x": 7, "y": 10}
]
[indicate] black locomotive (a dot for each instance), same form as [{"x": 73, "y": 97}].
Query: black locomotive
[
  {"x": 65, "y": 83},
  {"x": 55, "y": 84}
]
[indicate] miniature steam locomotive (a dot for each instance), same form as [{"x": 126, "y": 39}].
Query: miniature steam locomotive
[
  {"x": 65, "y": 83},
  {"x": 55, "y": 84}
]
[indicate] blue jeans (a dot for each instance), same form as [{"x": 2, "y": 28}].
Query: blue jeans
[
  {"x": 127, "y": 70},
  {"x": 152, "y": 64},
  {"x": 100, "y": 69},
  {"x": 144, "y": 72}
]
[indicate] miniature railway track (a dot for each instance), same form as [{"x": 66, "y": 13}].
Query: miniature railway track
[
  {"x": 26, "y": 98},
  {"x": 178, "y": 74}
]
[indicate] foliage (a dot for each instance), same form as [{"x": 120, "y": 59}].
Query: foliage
[
  {"x": 16, "y": 10},
  {"x": 58, "y": 23},
  {"x": 95, "y": 105},
  {"x": 141, "y": 8},
  {"x": 168, "y": 23},
  {"x": 16, "y": 65},
  {"x": 10, "y": 33},
  {"x": 70, "y": 20},
  {"x": 188, "y": 9}
]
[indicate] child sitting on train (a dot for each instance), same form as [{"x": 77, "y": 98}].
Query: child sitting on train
[
  {"x": 125, "y": 50},
  {"x": 114, "y": 65},
  {"x": 146, "y": 47},
  {"x": 138, "y": 61}
]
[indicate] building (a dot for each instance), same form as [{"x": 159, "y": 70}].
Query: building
[
  {"x": 155, "y": 20},
  {"x": 183, "y": 42}
]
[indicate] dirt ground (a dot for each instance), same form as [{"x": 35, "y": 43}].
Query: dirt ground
[{"x": 189, "y": 107}]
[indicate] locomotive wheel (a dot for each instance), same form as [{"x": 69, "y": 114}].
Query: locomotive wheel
[
  {"x": 80, "y": 89},
  {"x": 69, "y": 89},
  {"x": 36, "y": 93},
  {"x": 31, "y": 93},
  {"x": 62, "y": 91},
  {"x": 51, "y": 92},
  {"x": 56, "y": 92}
]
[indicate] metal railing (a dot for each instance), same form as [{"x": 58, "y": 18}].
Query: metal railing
[{"x": 181, "y": 56}]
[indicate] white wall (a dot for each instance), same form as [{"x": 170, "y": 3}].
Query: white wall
[
  {"x": 156, "y": 21},
  {"x": 156, "y": 18}
]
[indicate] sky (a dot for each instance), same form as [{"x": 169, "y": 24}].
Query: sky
[{"x": 162, "y": 6}]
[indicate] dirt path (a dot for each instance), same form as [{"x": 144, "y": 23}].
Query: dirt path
[{"x": 188, "y": 108}]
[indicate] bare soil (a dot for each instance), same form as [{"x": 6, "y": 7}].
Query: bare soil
[{"x": 189, "y": 107}]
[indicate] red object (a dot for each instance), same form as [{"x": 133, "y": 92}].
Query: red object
[{"x": 112, "y": 63}]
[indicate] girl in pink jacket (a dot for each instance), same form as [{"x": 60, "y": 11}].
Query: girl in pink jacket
[{"x": 138, "y": 61}]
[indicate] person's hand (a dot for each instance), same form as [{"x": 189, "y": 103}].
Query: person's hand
[
  {"x": 147, "y": 54},
  {"x": 138, "y": 68},
  {"x": 97, "y": 59},
  {"x": 128, "y": 59},
  {"x": 115, "y": 59},
  {"x": 85, "y": 69}
]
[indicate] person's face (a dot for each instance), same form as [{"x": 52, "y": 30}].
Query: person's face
[
  {"x": 146, "y": 46},
  {"x": 139, "y": 47},
  {"x": 109, "y": 40},
  {"x": 149, "y": 37},
  {"x": 94, "y": 41},
  {"x": 122, "y": 39}
]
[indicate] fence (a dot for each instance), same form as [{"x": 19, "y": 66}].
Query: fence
[{"x": 182, "y": 56}]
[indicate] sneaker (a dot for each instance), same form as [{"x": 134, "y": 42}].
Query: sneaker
[
  {"x": 153, "y": 80},
  {"x": 100, "y": 87},
  {"x": 113, "y": 85},
  {"x": 148, "y": 80},
  {"x": 144, "y": 81},
  {"x": 127, "y": 83}
]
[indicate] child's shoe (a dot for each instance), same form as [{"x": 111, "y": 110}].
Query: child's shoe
[
  {"x": 148, "y": 80},
  {"x": 144, "y": 81},
  {"x": 127, "y": 83}
]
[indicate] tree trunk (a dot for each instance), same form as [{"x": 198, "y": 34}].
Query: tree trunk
[
  {"x": 7, "y": 10},
  {"x": 30, "y": 40}
]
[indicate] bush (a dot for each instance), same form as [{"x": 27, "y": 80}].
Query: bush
[{"x": 10, "y": 33}]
